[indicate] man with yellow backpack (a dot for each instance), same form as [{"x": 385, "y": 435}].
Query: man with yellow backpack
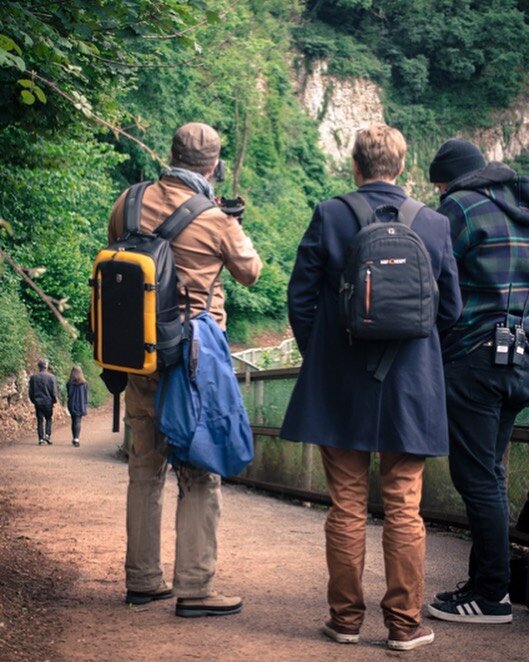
[{"x": 212, "y": 241}]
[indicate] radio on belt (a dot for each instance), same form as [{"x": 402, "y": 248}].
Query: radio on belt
[
  {"x": 518, "y": 349},
  {"x": 503, "y": 339}
]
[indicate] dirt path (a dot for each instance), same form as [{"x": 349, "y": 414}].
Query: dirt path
[{"x": 63, "y": 576}]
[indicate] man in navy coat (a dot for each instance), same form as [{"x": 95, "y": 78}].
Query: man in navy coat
[{"x": 339, "y": 405}]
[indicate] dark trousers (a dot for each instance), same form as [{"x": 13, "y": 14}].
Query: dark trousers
[
  {"x": 483, "y": 401},
  {"x": 76, "y": 426},
  {"x": 44, "y": 414}
]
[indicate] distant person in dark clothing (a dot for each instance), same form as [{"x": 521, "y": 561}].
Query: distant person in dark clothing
[
  {"x": 43, "y": 394},
  {"x": 486, "y": 363},
  {"x": 77, "y": 390}
]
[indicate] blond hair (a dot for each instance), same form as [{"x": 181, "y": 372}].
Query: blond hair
[{"x": 379, "y": 152}]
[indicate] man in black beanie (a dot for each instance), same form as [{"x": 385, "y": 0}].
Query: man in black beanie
[
  {"x": 486, "y": 363},
  {"x": 455, "y": 158}
]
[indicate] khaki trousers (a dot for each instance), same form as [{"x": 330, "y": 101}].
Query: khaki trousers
[
  {"x": 197, "y": 514},
  {"x": 403, "y": 538}
]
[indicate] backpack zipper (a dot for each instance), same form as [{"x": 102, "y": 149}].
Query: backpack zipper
[{"x": 368, "y": 292}]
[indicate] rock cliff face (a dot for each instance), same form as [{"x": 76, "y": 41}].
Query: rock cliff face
[
  {"x": 340, "y": 106},
  {"x": 16, "y": 412},
  {"x": 509, "y": 137}
]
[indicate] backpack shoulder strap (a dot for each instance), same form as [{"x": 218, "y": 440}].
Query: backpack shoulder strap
[
  {"x": 409, "y": 210},
  {"x": 359, "y": 206},
  {"x": 132, "y": 208},
  {"x": 183, "y": 216}
]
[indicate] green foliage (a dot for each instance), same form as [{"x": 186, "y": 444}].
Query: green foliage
[
  {"x": 57, "y": 193},
  {"x": 238, "y": 329},
  {"x": 81, "y": 46},
  {"x": 15, "y": 327},
  {"x": 520, "y": 163},
  {"x": 240, "y": 84},
  {"x": 449, "y": 54},
  {"x": 158, "y": 65},
  {"x": 58, "y": 182},
  {"x": 346, "y": 55}
]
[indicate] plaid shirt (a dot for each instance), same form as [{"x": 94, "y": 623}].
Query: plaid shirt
[{"x": 492, "y": 254}]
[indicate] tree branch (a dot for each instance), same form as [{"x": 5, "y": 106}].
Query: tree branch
[
  {"x": 161, "y": 65},
  {"x": 97, "y": 118},
  {"x": 49, "y": 301},
  {"x": 181, "y": 33},
  {"x": 242, "y": 151}
]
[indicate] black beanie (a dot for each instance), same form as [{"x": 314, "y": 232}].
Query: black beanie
[{"x": 454, "y": 158}]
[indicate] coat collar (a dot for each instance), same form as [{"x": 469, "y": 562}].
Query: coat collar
[{"x": 382, "y": 187}]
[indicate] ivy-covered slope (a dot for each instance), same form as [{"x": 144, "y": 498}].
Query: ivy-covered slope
[
  {"x": 60, "y": 169},
  {"x": 74, "y": 75}
]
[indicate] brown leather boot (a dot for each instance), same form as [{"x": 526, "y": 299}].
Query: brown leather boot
[
  {"x": 340, "y": 634},
  {"x": 212, "y": 605},
  {"x": 163, "y": 592},
  {"x": 406, "y": 639}
]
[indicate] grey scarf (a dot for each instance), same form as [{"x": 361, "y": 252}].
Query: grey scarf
[{"x": 194, "y": 180}]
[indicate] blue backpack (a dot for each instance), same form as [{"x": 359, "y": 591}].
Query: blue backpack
[{"x": 199, "y": 406}]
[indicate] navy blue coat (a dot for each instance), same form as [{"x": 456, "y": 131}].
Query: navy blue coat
[
  {"x": 77, "y": 398},
  {"x": 336, "y": 401}
]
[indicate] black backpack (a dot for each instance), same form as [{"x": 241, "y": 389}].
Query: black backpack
[
  {"x": 387, "y": 290},
  {"x": 136, "y": 322}
]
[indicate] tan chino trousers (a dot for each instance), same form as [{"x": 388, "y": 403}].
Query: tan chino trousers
[
  {"x": 197, "y": 514},
  {"x": 403, "y": 538}
]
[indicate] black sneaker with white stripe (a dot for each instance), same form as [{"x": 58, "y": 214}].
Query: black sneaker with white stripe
[
  {"x": 459, "y": 592},
  {"x": 473, "y": 608}
]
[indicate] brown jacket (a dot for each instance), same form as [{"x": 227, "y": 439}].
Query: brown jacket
[{"x": 212, "y": 241}]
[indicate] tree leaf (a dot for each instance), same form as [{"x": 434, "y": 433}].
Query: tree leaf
[
  {"x": 6, "y": 226},
  {"x": 27, "y": 97},
  {"x": 13, "y": 60},
  {"x": 213, "y": 16},
  {"x": 38, "y": 92},
  {"x": 83, "y": 48},
  {"x": 9, "y": 45},
  {"x": 26, "y": 82}
]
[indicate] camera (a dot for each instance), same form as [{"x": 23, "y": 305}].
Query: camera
[{"x": 233, "y": 207}]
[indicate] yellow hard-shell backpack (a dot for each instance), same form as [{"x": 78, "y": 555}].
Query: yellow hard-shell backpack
[{"x": 136, "y": 321}]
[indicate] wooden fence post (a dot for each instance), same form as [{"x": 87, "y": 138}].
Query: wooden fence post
[{"x": 259, "y": 402}]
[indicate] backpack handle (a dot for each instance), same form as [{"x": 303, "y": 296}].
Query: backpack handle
[{"x": 365, "y": 214}]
